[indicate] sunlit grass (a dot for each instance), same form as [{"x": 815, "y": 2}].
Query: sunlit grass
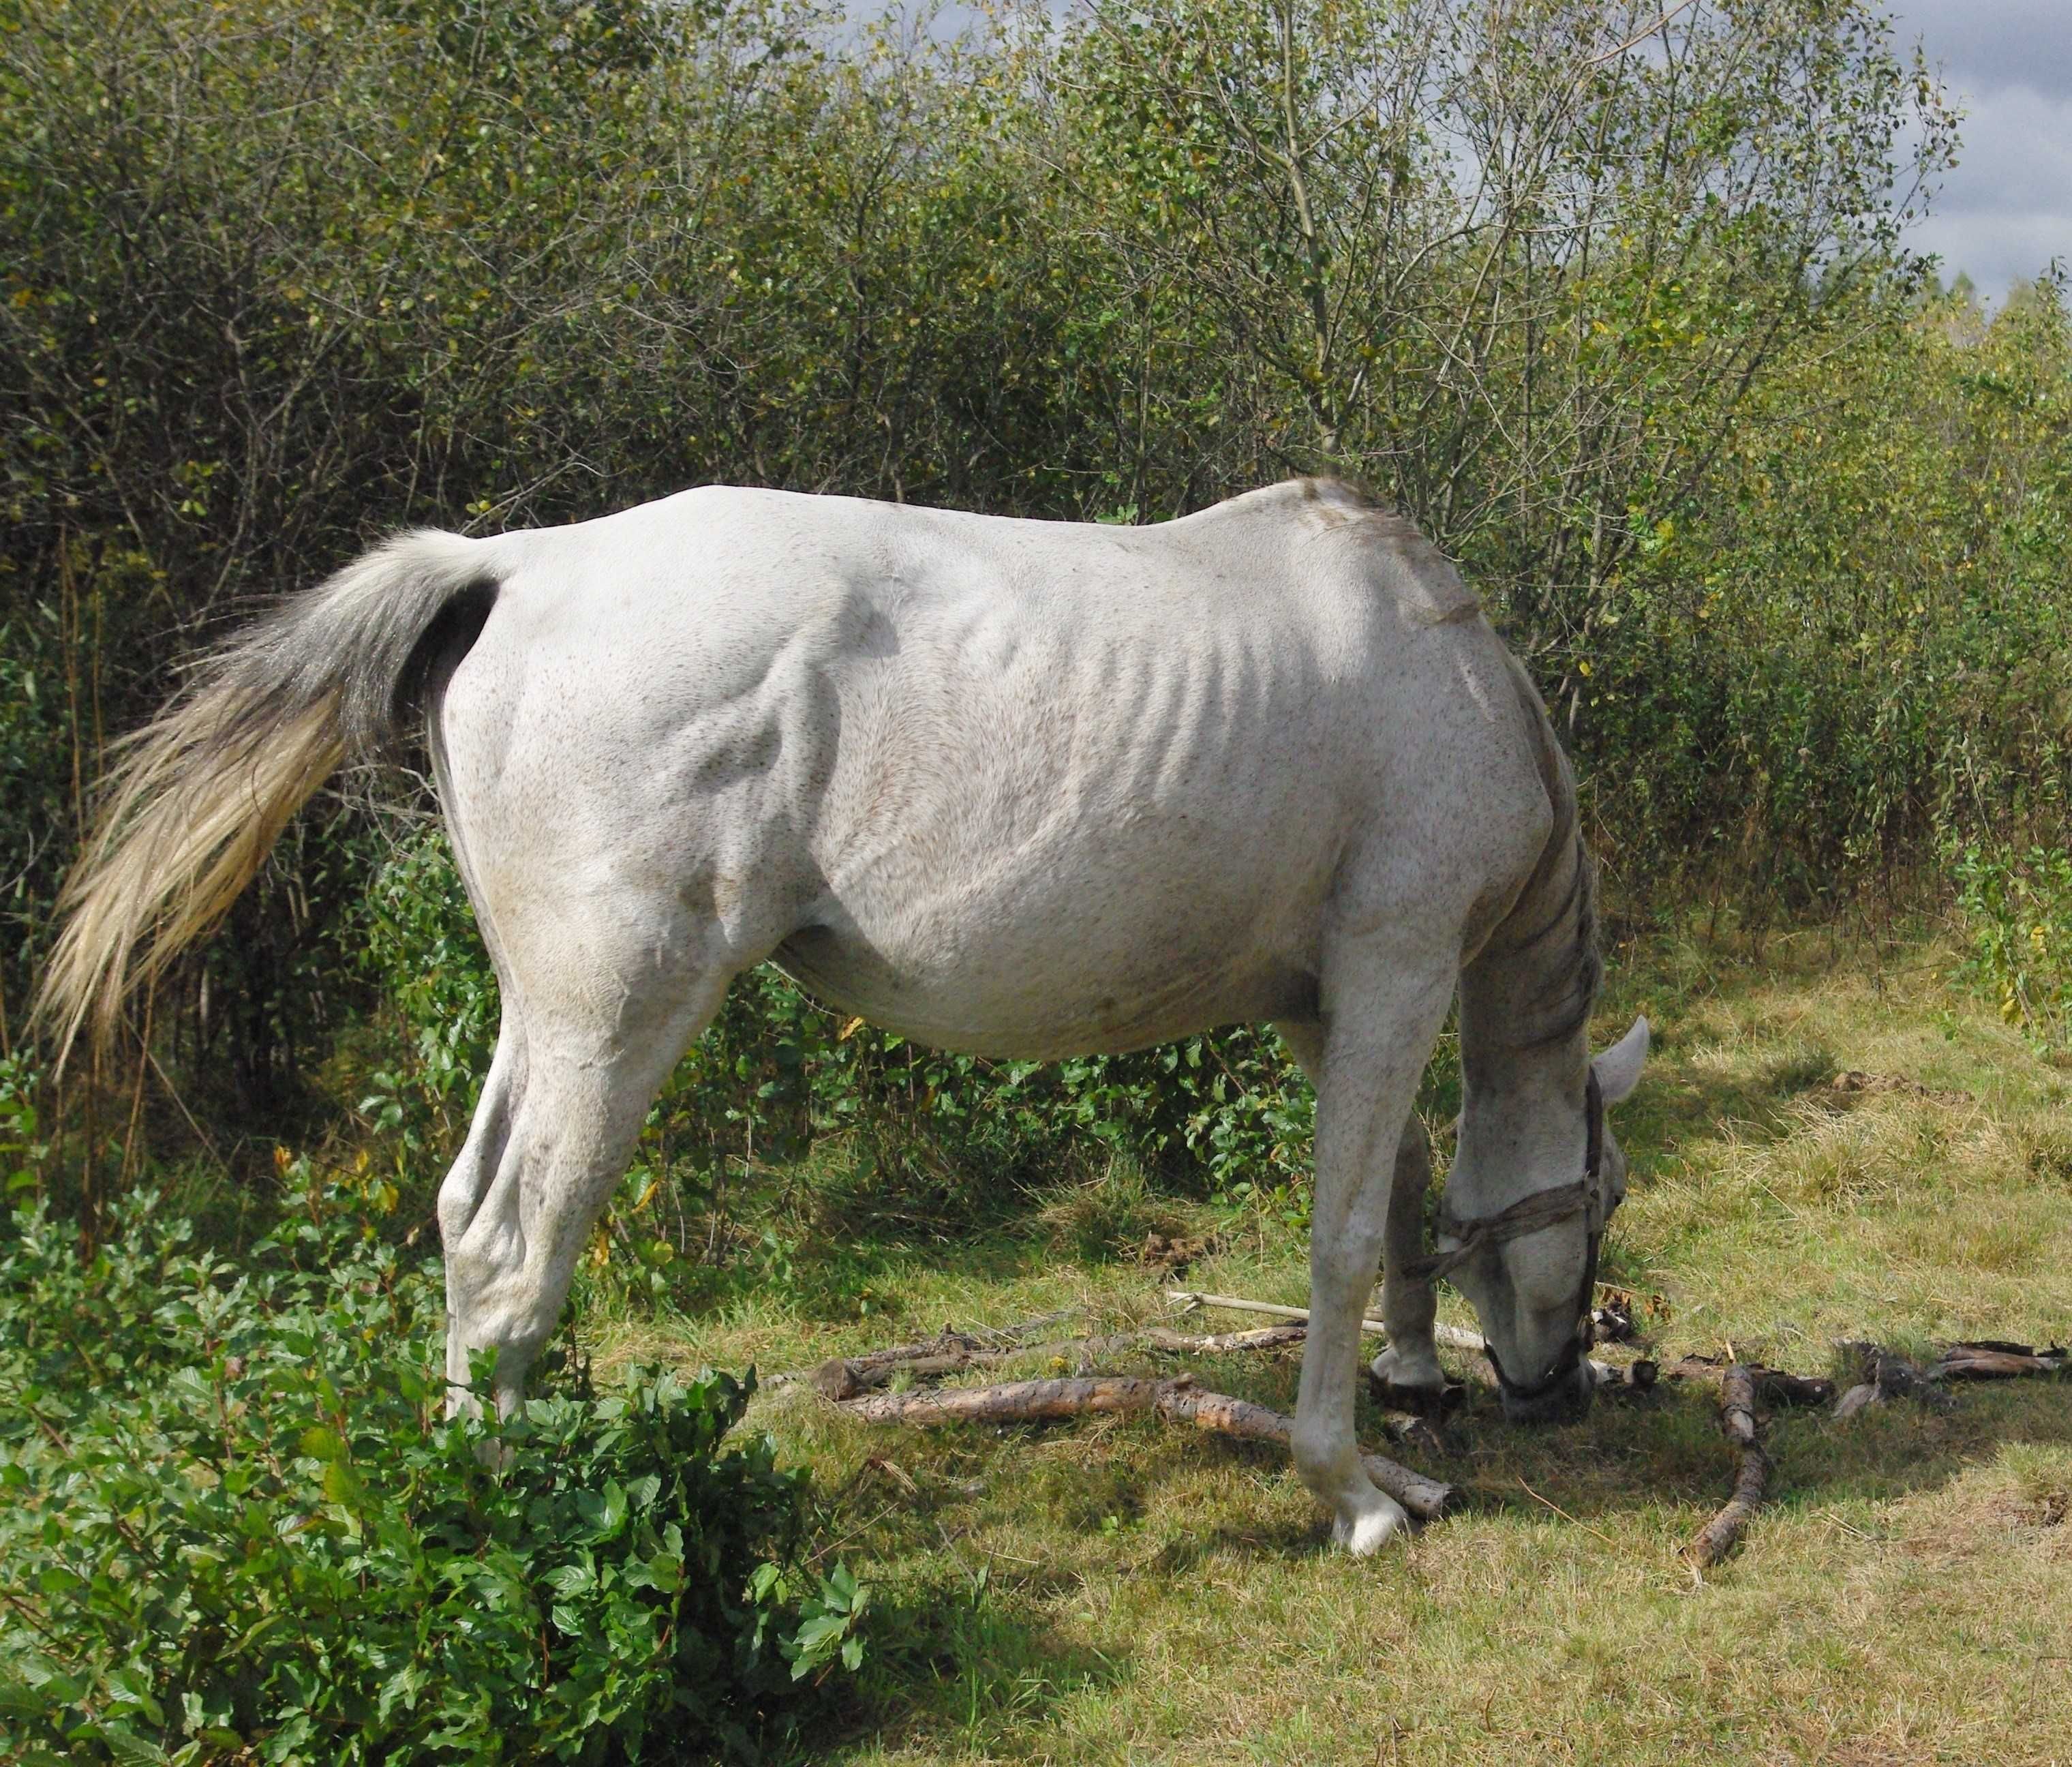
[{"x": 1122, "y": 1591}]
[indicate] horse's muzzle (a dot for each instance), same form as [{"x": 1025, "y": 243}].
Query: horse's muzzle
[{"x": 1563, "y": 1402}]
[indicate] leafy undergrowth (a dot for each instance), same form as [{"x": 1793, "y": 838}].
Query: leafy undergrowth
[
  {"x": 1121, "y": 1591},
  {"x": 235, "y": 1525}
]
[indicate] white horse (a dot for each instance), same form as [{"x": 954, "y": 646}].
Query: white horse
[{"x": 1022, "y": 788}]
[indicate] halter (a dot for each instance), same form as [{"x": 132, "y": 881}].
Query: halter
[{"x": 1532, "y": 1214}]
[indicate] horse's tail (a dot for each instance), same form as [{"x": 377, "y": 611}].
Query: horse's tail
[{"x": 196, "y": 802}]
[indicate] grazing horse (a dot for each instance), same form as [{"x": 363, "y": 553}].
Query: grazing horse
[{"x": 1022, "y": 788}]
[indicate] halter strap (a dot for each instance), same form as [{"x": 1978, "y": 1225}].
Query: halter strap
[{"x": 1530, "y": 1214}]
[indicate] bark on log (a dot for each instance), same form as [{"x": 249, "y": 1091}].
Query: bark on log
[
  {"x": 1178, "y": 1401},
  {"x": 1774, "y": 1386},
  {"x": 1221, "y": 1343},
  {"x": 1738, "y": 1399}
]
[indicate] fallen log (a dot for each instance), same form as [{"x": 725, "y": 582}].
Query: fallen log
[
  {"x": 842, "y": 1377},
  {"x": 1737, "y": 1419},
  {"x": 1178, "y": 1401},
  {"x": 1221, "y": 1342},
  {"x": 955, "y": 1353}
]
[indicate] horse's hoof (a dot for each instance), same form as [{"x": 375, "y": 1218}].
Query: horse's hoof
[
  {"x": 1403, "y": 1385},
  {"x": 1364, "y": 1530},
  {"x": 1437, "y": 1402}
]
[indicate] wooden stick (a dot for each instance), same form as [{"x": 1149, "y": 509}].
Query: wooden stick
[
  {"x": 1453, "y": 1336},
  {"x": 1220, "y": 1343},
  {"x": 1716, "y": 1538},
  {"x": 949, "y": 1340},
  {"x": 1178, "y": 1401},
  {"x": 1992, "y": 1360},
  {"x": 951, "y": 1348}
]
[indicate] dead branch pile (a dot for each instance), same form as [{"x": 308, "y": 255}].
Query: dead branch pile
[
  {"x": 1745, "y": 1386},
  {"x": 1885, "y": 1375}
]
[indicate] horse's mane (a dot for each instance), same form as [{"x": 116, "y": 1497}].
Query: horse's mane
[{"x": 1552, "y": 928}]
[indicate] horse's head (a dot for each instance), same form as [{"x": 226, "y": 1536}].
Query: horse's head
[{"x": 1528, "y": 1260}]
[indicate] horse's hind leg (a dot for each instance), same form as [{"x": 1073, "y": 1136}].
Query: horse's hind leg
[
  {"x": 555, "y": 1129},
  {"x": 468, "y": 1183}
]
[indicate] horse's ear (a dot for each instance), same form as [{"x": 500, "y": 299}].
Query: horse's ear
[{"x": 1619, "y": 1068}]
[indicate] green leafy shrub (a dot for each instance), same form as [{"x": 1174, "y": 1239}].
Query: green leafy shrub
[
  {"x": 238, "y": 1526},
  {"x": 415, "y": 934},
  {"x": 21, "y": 1148},
  {"x": 2018, "y": 907}
]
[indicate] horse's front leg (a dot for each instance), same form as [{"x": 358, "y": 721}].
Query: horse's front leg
[
  {"x": 1409, "y": 1304},
  {"x": 1383, "y": 1006}
]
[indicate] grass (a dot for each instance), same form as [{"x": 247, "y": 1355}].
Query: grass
[{"x": 1118, "y": 1592}]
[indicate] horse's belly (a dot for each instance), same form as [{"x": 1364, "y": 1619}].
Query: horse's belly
[{"x": 994, "y": 998}]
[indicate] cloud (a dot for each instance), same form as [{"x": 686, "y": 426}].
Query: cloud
[
  {"x": 2005, "y": 210},
  {"x": 1992, "y": 43}
]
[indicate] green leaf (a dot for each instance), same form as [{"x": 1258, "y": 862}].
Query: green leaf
[{"x": 126, "y": 1746}]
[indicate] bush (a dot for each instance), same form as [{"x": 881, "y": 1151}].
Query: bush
[
  {"x": 239, "y": 1526},
  {"x": 2017, "y": 907}
]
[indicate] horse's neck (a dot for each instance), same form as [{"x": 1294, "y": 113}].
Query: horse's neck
[{"x": 1525, "y": 1009}]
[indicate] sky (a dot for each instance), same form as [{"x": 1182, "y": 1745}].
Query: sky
[{"x": 2006, "y": 211}]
